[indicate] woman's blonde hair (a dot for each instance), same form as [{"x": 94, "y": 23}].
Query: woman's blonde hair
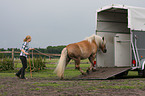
[{"x": 27, "y": 37}]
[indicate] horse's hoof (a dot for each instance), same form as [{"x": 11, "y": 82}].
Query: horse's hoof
[
  {"x": 77, "y": 68},
  {"x": 84, "y": 74},
  {"x": 61, "y": 78},
  {"x": 93, "y": 70},
  {"x": 88, "y": 71}
]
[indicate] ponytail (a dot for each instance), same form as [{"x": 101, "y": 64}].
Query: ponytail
[{"x": 27, "y": 37}]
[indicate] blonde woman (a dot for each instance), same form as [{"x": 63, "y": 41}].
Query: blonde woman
[{"x": 23, "y": 57}]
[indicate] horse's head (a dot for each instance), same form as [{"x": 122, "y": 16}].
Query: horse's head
[
  {"x": 103, "y": 45},
  {"x": 100, "y": 42}
]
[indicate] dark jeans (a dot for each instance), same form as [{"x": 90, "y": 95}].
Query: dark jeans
[{"x": 24, "y": 66}]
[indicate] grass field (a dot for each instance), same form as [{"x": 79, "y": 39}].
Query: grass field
[
  {"x": 46, "y": 83},
  {"x": 48, "y": 72}
]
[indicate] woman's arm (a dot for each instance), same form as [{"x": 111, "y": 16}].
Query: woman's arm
[{"x": 24, "y": 52}]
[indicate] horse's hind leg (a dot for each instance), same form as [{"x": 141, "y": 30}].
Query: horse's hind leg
[
  {"x": 77, "y": 66},
  {"x": 67, "y": 60},
  {"x": 91, "y": 59}
]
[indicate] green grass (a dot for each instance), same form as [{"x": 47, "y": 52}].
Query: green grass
[
  {"x": 1, "y": 86},
  {"x": 125, "y": 84},
  {"x": 54, "y": 84},
  {"x": 68, "y": 66},
  {"x": 52, "y": 60},
  {"x": 50, "y": 80},
  {"x": 133, "y": 73},
  {"x": 55, "y": 61},
  {"x": 69, "y": 72},
  {"x": 7, "y": 74},
  {"x": 36, "y": 89},
  {"x": 117, "y": 87},
  {"x": 91, "y": 88},
  {"x": 48, "y": 72},
  {"x": 90, "y": 85},
  {"x": 3, "y": 94}
]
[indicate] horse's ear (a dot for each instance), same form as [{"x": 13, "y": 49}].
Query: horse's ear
[{"x": 103, "y": 38}]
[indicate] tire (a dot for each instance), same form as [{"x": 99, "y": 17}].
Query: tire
[{"x": 141, "y": 73}]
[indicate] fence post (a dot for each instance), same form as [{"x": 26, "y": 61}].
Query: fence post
[{"x": 13, "y": 56}]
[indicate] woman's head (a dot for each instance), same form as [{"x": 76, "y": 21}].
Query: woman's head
[{"x": 27, "y": 39}]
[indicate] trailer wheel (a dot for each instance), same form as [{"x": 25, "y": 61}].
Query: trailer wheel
[
  {"x": 144, "y": 73},
  {"x": 141, "y": 73}
]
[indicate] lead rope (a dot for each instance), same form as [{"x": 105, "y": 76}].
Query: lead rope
[
  {"x": 30, "y": 66},
  {"x": 41, "y": 52},
  {"x": 32, "y": 58},
  {"x": 33, "y": 62}
]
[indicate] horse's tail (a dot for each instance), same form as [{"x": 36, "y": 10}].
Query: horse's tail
[{"x": 61, "y": 64}]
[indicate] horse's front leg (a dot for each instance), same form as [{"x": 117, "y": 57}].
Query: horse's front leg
[
  {"x": 77, "y": 66},
  {"x": 91, "y": 59}
]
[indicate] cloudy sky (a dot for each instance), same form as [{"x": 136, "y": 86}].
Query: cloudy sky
[{"x": 50, "y": 22}]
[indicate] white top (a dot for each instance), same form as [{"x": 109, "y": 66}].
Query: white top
[{"x": 136, "y": 15}]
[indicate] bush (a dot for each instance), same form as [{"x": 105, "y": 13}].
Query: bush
[
  {"x": 6, "y": 64},
  {"x": 39, "y": 64},
  {"x": 1, "y": 55}
]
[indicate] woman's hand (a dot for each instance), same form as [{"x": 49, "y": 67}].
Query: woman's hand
[
  {"x": 31, "y": 48},
  {"x": 26, "y": 53}
]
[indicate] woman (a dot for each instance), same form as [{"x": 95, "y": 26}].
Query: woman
[{"x": 23, "y": 57}]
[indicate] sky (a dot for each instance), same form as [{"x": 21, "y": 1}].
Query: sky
[{"x": 50, "y": 22}]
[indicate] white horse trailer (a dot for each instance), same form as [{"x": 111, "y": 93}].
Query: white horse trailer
[{"x": 124, "y": 30}]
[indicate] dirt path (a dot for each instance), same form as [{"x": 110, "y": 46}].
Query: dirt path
[{"x": 12, "y": 86}]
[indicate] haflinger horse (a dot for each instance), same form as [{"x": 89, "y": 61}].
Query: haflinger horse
[{"x": 81, "y": 50}]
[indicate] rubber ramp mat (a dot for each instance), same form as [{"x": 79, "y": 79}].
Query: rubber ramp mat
[{"x": 103, "y": 73}]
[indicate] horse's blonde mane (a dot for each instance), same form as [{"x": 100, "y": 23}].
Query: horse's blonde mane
[
  {"x": 91, "y": 38},
  {"x": 94, "y": 37}
]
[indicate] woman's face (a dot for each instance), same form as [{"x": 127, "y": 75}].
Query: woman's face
[{"x": 29, "y": 40}]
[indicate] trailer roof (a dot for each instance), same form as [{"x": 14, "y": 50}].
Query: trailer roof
[{"x": 136, "y": 15}]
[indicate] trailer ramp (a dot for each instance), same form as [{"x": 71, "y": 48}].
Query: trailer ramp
[{"x": 104, "y": 73}]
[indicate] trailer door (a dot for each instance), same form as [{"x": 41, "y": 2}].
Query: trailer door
[{"x": 122, "y": 50}]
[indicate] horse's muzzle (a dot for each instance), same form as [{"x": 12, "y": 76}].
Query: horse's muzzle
[{"x": 105, "y": 50}]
